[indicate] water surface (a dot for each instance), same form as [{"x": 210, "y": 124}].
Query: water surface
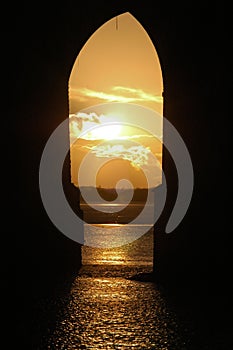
[
  {"x": 106, "y": 308},
  {"x": 115, "y": 313}
]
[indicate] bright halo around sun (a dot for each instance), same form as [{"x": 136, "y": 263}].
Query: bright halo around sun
[{"x": 105, "y": 132}]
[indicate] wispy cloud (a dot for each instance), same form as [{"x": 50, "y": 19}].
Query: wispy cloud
[
  {"x": 78, "y": 120},
  {"x": 85, "y": 117},
  {"x": 104, "y": 96},
  {"x": 137, "y": 155},
  {"x": 125, "y": 95},
  {"x": 139, "y": 94}
]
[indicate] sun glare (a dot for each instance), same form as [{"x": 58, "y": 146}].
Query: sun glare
[{"x": 105, "y": 132}]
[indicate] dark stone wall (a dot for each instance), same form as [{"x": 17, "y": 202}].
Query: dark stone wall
[{"x": 194, "y": 75}]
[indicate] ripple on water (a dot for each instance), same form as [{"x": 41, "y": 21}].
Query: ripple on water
[{"x": 114, "y": 313}]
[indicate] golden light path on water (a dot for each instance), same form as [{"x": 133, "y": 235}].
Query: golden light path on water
[
  {"x": 115, "y": 313},
  {"x": 105, "y": 308},
  {"x": 126, "y": 254}
]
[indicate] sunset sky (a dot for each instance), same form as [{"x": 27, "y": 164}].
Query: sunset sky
[{"x": 118, "y": 65}]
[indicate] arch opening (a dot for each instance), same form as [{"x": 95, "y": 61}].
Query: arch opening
[{"x": 116, "y": 79}]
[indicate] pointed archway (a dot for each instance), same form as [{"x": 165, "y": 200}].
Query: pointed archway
[{"x": 117, "y": 66}]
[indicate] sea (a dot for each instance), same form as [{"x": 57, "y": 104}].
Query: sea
[{"x": 106, "y": 307}]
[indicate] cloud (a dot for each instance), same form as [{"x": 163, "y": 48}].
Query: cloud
[
  {"x": 77, "y": 121},
  {"x": 139, "y": 95},
  {"x": 137, "y": 155},
  {"x": 81, "y": 117},
  {"x": 105, "y": 96},
  {"x": 126, "y": 95}
]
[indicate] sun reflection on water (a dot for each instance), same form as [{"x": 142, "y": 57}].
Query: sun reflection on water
[
  {"x": 107, "y": 309},
  {"x": 115, "y": 313},
  {"x": 138, "y": 252}
]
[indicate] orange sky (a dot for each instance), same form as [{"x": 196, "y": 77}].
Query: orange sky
[{"x": 117, "y": 64}]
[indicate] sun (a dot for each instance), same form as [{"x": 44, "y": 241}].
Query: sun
[{"x": 105, "y": 132}]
